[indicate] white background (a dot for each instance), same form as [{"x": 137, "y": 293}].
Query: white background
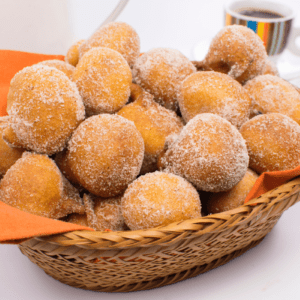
[{"x": 269, "y": 271}]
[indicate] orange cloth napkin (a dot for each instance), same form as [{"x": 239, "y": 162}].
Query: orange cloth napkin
[{"x": 16, "y": 225}]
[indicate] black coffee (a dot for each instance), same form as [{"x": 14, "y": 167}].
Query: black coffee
[{"x": 266, "y": 14}]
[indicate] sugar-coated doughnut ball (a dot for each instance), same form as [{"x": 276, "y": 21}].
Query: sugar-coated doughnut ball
[
  {"x": 271, "y": 68},
  {"x": 271, "y": 94},
  {"x": 209, "y": 152},
  {"x": 155, "y": 123},
  {"x": 223, "y": 201},
  {"x": 79, "y": 219},
  {"x": 103, "y": 78},
  {"x": 34, "y": 184},
  {"x": 118, "y": 36},
  {"x": 273, "y": 142},
  {"x": 72, "y": 56},
  {"x": 158, "y": 199},
  {"x": 160, "y": 72},
  {"x": 237, "y": 51},
  {"x": 105, "y": 154},
  {"x": 213, "y": 92},
  {"x": 60, "y": 65},
  {"x": 104, "y": 213},
  {"x": 45, "y": 107},
  {"x": 8, "y": 155}
]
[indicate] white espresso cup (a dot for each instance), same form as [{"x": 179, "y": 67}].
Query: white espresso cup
[{"x": 272, "y": 21}]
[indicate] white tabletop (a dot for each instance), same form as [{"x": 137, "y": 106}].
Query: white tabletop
[{"x": 268, "y": 271}]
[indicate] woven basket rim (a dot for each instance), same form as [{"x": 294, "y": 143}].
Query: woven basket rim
[{"x": 177, "y": 230}]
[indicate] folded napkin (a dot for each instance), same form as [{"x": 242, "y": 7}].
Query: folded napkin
[{"x": 16, "y": 225}]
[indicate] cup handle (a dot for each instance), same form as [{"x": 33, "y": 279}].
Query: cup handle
[{"x": 292, "y": 43}]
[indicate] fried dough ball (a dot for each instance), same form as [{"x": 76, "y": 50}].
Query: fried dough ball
[
  {"x": 104, "y": 213},
  {"x": 8, "y": 155},
  {"x": 271, "y": 68},
  {"x": 237, "y": 51},
  {"x": 59, "y": 65},
  {"x": 105, "y": 154},
  {"x": 72, "y": 56},
  {"x": 155, "y": 123},
  {"x": 213, "y": 92},
  {"x": 271, "y": 94},
  {"x": 44, "y": 108},
  {"x": 35, "y": 185},
  {"x": 160, "y": 72},
  {"x": 219, "y": 202},
  {"x": 135, "y": 92},
  {"x": 118, "y": 36},
  {"x": 158, "y": 199},
  {"x": 273, "y": 142},
  {"x": 79, "y": 219},
  {"x": 103, "y": 78},
  {"x": 209, "y": 152}
]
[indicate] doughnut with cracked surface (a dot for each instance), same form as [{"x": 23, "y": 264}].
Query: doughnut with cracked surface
[{"x": 237, "y": 51}]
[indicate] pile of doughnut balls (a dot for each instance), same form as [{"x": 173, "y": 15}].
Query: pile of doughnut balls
[{"x": 115, "y": 139}]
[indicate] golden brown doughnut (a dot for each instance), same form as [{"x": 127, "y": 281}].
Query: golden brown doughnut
[
  {"x": 160, "y": 72},
  {"x": 237, "y": 51},
  {"x": 223, "y": 201},
  {"x": 61, "y": 66},
  {"x": 103, "y": 78},
  {"x": 105, "y": 154},
  {"x": 213, "y": 92},
  {"x": 34, "y": 184},
  {"x": 271, "y": 94},
  {"x": 104, "y": 213},
  {"x": 273, "y": 142},
  {"x": 72, "y": 56},
  {"x": 118, "y": 36},
  {"x": 44, "y": 108},
  {"x": 8, "y": 155},
  {"x": 158, "y": 199},
  {"x": 209, "y": 152},
  {"x": 155, "y": 123}
]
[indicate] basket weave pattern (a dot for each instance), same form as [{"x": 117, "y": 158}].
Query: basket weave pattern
[{"x": 145, "y": 259}]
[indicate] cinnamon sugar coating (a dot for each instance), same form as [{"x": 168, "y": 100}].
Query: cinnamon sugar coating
[
  {"x": 209, "y": 152},
  {"x": 8, "y": 155},
  {"x": 271, "y": 94},
  {"x": 213, "y": 92},
  {"x": 237, "y": 51},
  {"x": 34, "y": 184},
  {"x": 273, "y": 142},
  {"x": 160, "y": 72},
  {"x": 223, "y": 201},
  {"x": 103, "y": 78},
  {"x": 118, "y": 36},
  {"x": 104, "y": 213},
  {"x": 61, "y": 66},
  {"x": 155, "y": 123},
  {"x": 72, "y": 56},
  {"x": 44, "y": 107},
  {"x": 158, "y": 199},
  {"x": 105, "y": 154}
]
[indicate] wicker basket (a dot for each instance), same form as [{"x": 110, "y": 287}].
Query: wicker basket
[{"x": 139, "y": 260}]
